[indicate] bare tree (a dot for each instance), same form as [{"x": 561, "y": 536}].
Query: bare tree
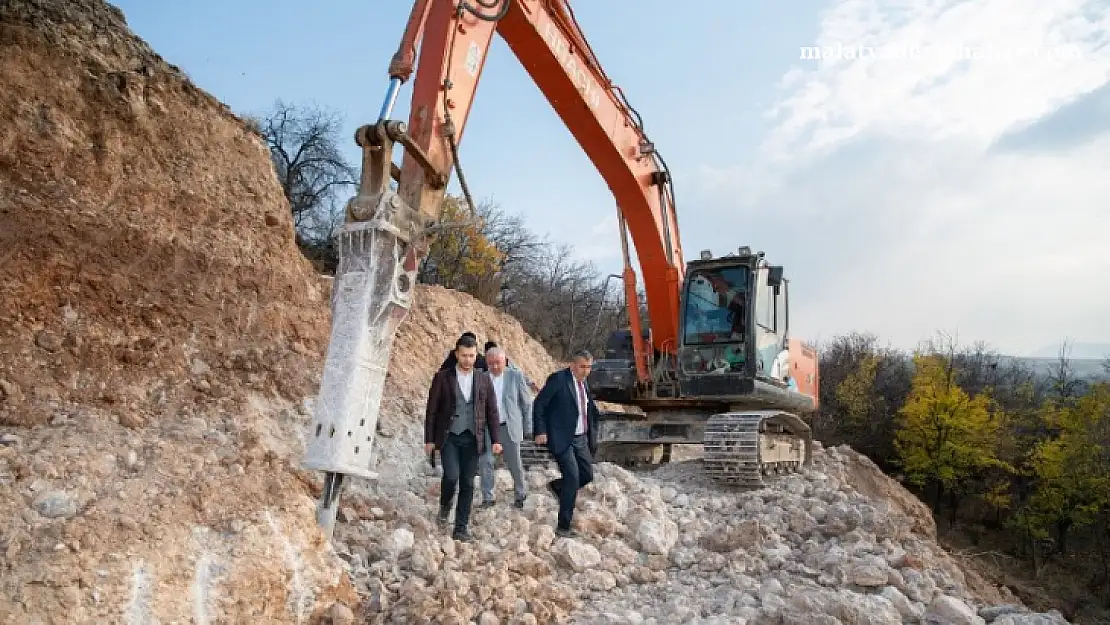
[
  {"x": 561, "y": 300},
  {"x": 312, "y": 171},
  {"x": 1065, "y": 384}
]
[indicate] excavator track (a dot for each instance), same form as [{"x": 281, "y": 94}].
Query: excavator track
[
  {"x": 740, "y": 448},
  {"x": 533, "y": 455}
]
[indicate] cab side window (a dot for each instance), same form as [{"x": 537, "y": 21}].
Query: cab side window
[{"x": 765, "y": 305}]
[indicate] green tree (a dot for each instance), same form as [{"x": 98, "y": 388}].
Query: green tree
[
  {"x": 862, "y": 386},
  {"x": 1072, "y": 471},
  {"x": 946, "y": 439},
  {"x": 856, "y": 394}
]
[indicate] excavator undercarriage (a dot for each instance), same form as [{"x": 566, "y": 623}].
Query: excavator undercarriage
[{"x": 740, "y": 448}]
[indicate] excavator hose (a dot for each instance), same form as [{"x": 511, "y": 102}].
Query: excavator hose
[
  {"x": 486, "y": 4},
  {"x": 448, "y": 122}
]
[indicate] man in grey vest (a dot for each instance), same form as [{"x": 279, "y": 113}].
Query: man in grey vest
[
  {"x": 462, "y": 408},
  {"x": 514, "y": 405}
]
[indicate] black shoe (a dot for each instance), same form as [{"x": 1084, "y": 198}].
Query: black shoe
[
  {"x": 554, "y": 490},
  {"x": 565, "y": 533},
  {"x": 519, "y": 503},
  {"x": 461, "y": 536},
  {"x": 489, "y": 503}
]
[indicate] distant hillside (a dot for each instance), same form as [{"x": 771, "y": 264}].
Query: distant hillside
[
  {"x": 1087, "y": 368},
  {"x": 1095, "y": 351}
]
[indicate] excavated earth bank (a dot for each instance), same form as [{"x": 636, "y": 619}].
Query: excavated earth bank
[{"x": 160, "y": 342}]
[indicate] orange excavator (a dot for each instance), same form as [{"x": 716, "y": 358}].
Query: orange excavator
[{"x": 714, "y": 364}]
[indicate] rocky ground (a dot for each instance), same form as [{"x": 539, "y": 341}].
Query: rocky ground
[
  {"x": 160, "y": 341},
  {"x": 667, "y": 546}
]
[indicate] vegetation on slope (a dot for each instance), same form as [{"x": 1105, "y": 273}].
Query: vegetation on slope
[{"x": 1015, "y": 463}]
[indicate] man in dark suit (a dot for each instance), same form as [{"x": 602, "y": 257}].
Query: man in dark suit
[
  {"x": 462, "y": 408},
  {"x": 565, "y": 419}
]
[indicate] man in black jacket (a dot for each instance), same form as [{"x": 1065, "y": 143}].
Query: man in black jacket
[
  {"x": 462, "y": 408},
  {"x": 452, "y": 359},
  {"x": 565, "y": 419}
]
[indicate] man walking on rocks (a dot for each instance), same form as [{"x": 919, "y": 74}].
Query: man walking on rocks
[
  {"x": 565, "y": 419},
  {"x": 462, "y": 408},
  {"x": 514, "y": 405}
]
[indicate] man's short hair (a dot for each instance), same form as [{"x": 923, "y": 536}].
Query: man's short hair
[
  {"x": 489, "y": 345},
  {"x": 466, "y": 340},
  {"x": 471, "y": 335},
  {"x": 582, "y": 354}
]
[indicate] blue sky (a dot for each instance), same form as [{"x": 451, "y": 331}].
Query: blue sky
[{"x": 904, "y": 194}]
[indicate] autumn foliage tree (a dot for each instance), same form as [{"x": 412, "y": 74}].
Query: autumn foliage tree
[
  {"x": 862, "y": 385},
  {"x": 1071, "y": 469},
  {"x": 462, "y": 256},
  {"x": 1012, "y": 454},
  {"x": 946, "y": 437}
]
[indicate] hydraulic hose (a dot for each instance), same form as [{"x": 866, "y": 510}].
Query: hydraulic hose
[{"x": 487, "y": 4}]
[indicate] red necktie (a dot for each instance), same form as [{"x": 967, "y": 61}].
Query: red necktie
[{"x": 582, "y": 403}]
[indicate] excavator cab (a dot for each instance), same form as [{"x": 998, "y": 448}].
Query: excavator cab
[
  {"x": 734, "y": 343},
  {"x": 734, "y": 339},
  {"x": 736, "y": 382}
]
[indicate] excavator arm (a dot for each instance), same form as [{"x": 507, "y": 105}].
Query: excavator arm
[
  {"x": 387, "y": 231},
  {"x": 543, "y": 34}
]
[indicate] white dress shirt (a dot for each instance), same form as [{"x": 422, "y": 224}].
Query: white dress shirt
[
  {"x": 498, "y": 387},
  {"x": 465, "y": 382},
  {"x": 579, "y": 387}
]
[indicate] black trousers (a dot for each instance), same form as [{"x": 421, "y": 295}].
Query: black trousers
[
  {"x": 576, "y": 465},
  {"x": 460, "y": 465}
]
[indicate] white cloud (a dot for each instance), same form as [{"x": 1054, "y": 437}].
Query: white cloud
[
  {"x": 601, "y": 242},
  {"x": 878, "y": 187}
]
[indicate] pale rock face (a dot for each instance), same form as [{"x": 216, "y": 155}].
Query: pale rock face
[
  {"x": 576, "y": 555},
  {"x": 952, "y": 610},
  {"x": 656, "y": 535},
  {"x": 1051, "y": 618}
]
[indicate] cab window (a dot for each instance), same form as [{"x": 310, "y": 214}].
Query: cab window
[{"x": 716, "y": 305}]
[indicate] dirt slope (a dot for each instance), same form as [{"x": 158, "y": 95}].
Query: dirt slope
[
  {"x": 144, "y": 234},
  {"x": 155, "y": 319}
]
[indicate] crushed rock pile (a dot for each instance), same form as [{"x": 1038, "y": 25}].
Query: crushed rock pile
[{"x": 671, "y": 547}]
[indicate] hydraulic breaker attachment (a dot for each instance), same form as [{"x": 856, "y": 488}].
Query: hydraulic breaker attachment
[{"x": 379, "y": 249}]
